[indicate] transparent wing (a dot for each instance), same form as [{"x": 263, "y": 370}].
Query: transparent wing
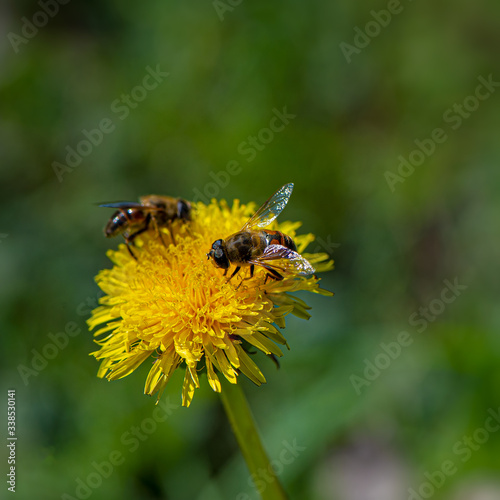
[
  {"x": 121, "y": 204},
  {"x": 283, "y": 259},
  {"x": 270, "y": 210},
  {"x": 124, "y": 205}
]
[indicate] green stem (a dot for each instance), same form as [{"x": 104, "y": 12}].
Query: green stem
[{"x": 243, "y": 424}]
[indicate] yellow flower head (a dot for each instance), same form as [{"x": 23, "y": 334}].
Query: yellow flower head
[{"x": 173, "y": 304}]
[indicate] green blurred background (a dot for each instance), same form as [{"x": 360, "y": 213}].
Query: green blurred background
[{"x": 359, "y": 103}]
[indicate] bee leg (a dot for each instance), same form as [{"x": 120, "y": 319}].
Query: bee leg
[
  {"x": 235, "y": 271},
  {"x": 128, "y": 243},
  {"x": 158, "y": 232},
  {"x": 147, "y": 221},
  {"x": 161, "y": 238},
  {"x": 252, "y": 267},
  {"x": 187, "y": 228},
  {"x": 271, "y": 273},
  {"x": 169, "y": 224},
  {"x": 129, "y": 240},
  {"x": 132, "y": 237}
]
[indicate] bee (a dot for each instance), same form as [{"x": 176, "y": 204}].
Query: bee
[
  {"x": 132, "y": 218},
  {"x": 255, "y": 246}
]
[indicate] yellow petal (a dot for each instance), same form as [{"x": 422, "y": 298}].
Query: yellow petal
[
  {"x": 188, "y": 388},
  {"x": 249, "y": 368},
  {"x": 213, "y": 380}
]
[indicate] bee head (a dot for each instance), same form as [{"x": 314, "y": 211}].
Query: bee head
[
  {"x": 183, "y": 209},
  {"x": 218, "y": 254}
]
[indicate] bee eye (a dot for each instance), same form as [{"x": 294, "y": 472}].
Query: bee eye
[
  {"x": 218, "y": 253},
  {"x": 183, "y": 210}
]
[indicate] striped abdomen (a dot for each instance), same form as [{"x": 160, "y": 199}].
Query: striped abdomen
[
  {"x": 278, "y": 238},
  {"x": 123, "y": 220}
]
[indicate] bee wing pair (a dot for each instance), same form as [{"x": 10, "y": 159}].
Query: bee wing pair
[
  {"x": 285, "y": 260},
  {"x": 277, "y": 257},
  {"x": 123, "y": 205}
]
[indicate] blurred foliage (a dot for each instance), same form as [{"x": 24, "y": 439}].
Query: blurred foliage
[{"x": 393, "y": 250}]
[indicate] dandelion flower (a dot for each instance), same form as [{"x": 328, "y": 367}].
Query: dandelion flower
[{"x": 175, "y": 307}]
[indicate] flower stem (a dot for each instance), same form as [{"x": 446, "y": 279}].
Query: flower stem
[{"x": 245, "y": 430}]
